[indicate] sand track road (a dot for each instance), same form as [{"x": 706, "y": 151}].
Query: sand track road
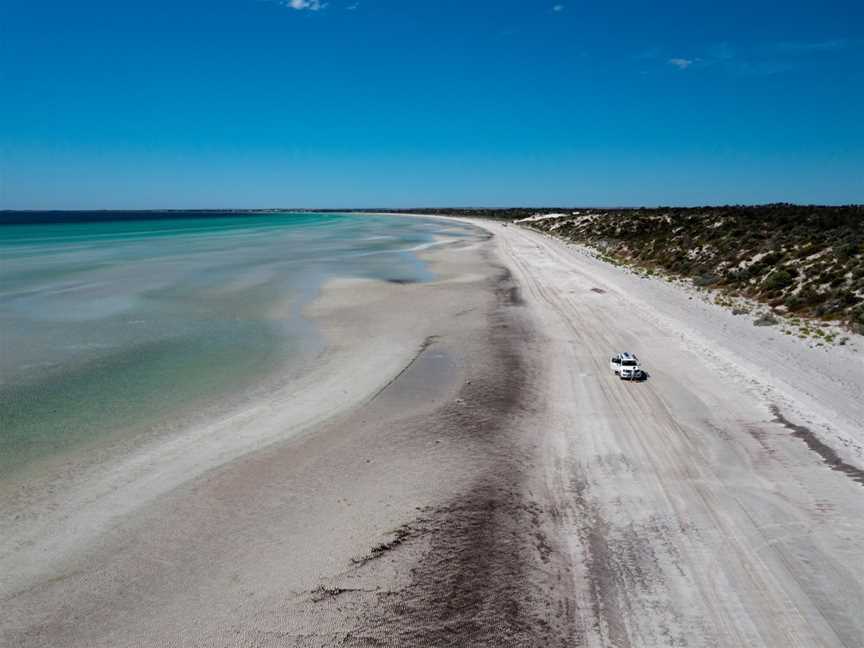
[{"x": 692, "y": 513}]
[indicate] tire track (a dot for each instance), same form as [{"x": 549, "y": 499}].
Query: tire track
[{"x": 759, "y": 578}]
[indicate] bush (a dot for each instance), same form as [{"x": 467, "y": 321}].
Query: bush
[
  {"x": 736, "y": 276},
  {"x": 794, "y": 302},
  {"x": 705, "y": 280},
  {"x": 856, "y": 321},
  {"x": 811, "y": 297},
  {"x": 778, "y": 280},
  {"x": 765, "y": 319},
  {"x": 847, "y": 250},
  {"x": 837, "y": 281}
]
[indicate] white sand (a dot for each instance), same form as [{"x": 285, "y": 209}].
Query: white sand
[
  {"x": 501, "y": 488},
  {"x": 821, "y": 387},
  {"x": 692, "y": 517}
]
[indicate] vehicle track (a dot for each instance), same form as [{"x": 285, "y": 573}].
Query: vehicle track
[{"x": 689, "y": 530}]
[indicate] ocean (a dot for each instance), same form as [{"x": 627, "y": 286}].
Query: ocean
[{"x": 119, "y": 325}]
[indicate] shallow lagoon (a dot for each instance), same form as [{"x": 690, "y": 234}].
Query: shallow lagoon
[{"x": 126, "y": 327}]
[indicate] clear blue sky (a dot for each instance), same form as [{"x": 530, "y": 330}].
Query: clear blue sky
[{"x": 257, "y": 103}]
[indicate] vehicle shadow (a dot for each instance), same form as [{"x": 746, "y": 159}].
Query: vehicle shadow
[{"x": 643, "y": 378}]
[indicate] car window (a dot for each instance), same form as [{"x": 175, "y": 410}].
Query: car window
[
  {"x": 629, "y": 363},
  {"x": 616, "y": 360}
]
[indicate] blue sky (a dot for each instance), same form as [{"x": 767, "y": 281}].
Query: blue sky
[{"x": 258, "y": 103}]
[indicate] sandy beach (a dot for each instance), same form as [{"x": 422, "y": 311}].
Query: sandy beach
[{"x": 462, "y": 469}]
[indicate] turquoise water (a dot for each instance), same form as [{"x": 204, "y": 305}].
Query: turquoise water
[{"x": 127, "y": 327}]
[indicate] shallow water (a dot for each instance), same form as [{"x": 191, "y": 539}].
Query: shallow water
[{"x": 122, "y": 327}]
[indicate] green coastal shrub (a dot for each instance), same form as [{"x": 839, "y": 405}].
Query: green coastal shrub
[
  {"x": 766, "y": 319},
  {"x": 848, "y": 250},
  {"x": 794, "y": 302},
  {"x": 856, "y": 321},
  {"x": 811, "y": 297},
  {"x": 778, "y": 280},
  {"x": 707, "y": 279}
]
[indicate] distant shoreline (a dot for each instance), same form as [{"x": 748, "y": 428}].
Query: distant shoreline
[{"x": 470, "y": 211}]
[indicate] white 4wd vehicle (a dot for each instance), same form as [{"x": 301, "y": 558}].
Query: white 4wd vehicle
[{"x": 626, "y": 366}]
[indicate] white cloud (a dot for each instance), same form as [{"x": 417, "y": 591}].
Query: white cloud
[
  {"x": 353, "y": 6},
  {"x": 310, "y": 5},
  {"x": 558, "y": 7},
  {"x": 681, "y": 63}
]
